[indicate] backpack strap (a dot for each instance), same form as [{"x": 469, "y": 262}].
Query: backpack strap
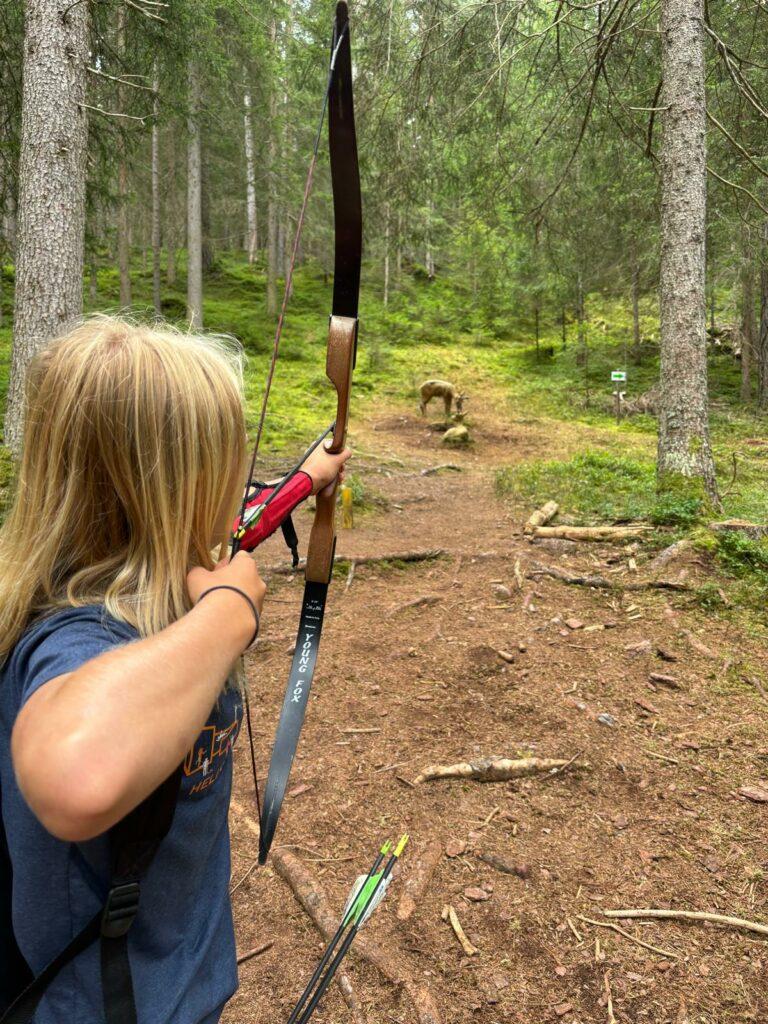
[{"x": 134, "y": 841}]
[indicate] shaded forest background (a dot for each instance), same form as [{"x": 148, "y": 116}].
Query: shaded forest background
[{"x": 514, "y": 171}]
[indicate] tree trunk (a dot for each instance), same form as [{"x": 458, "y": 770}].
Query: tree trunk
[
  {"x": 387, "y": 234},
  {"x": 51, "y": 204},
  {"x": 684, "y": 449},
  {"x": 429, "y": 259},
  {"x": 637, "y": 343},
  {"x": 252, "y": 238},
  {"x": 581, "y": 332},
  {"x": 156, "y": 195},
  {"x": 194, "y": 206},
  {"x": 762, "y": 343},
  {"x": 272, "y": 262},
  {"x": 123, "y": 211},
  {"x": 748, "y": 328}
]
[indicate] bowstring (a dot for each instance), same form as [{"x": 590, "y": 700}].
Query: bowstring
[
  {"x": 273, "y": 363},
  {"x": 288, "y": 285}
]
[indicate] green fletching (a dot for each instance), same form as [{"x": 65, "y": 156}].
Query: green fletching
[{"x": 360, "y": 899}]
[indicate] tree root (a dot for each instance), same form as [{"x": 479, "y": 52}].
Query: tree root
[
  {"x": 312, "y": 899},
  {"x": 539, "y": 569},
  {"x": 419, "y": 877},
  {"x": 490, "y": 769},
  {"x": 429, "y": 555},
  {"x": 594, "y": 533}
]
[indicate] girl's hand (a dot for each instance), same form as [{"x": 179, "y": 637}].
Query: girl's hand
[
  {"x": 240, "y": 572},
  {"x": 324, "y": 468}
]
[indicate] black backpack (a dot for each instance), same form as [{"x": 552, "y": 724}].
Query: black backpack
[{"x": 134, "y": 842}]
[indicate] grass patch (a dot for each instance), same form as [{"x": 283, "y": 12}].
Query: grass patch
[{"x": 598, "y": 487}]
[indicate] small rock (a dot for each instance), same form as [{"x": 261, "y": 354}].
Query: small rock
[
  {"x": 561, "y": 971},
  {"x": 606, "y": 719},
  {"x": 757, "y": 794},
  {"x": 574, "y": 624},
  {"x": 506, "y": 656},
  {"x": 298, "y": 790},
  {"x": 502, "y": 592},
  {"x": 476, "y": 895},
  {"x": 642, "y": 647},
  {"x": 662, "y": 680},
  {"x": 455, "y": 848},
  {"x": 665, "y": 655},
  {"x": 562, "y": 1008},
  {"x": 646, "y": 706},
  {"x": 522, "y": 647}
]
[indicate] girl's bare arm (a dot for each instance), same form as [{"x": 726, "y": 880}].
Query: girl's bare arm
[{"x": 90, "y": 745}]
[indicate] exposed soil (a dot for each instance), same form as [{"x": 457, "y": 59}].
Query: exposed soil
[{"x": 649, "y": 814}]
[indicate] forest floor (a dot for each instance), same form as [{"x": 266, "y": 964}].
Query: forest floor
[{"x": 657, "y": 810}]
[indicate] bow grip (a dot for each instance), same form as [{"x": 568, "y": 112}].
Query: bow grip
[{"x": 340, "y": 359}]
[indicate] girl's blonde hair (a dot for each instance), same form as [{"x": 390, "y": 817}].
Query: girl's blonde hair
[{"x": 134, "y": 439}]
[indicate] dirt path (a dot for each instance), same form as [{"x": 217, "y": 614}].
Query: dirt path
[{"x": 651, "y": 818}]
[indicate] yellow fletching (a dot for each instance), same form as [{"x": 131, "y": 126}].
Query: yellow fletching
[{"x": 401, "y": 845}]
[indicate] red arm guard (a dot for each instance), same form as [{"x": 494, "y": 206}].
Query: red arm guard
[{"x": 294, "y": 492}]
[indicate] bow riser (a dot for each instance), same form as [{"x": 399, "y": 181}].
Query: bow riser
[{"x": 342, "y": 336}]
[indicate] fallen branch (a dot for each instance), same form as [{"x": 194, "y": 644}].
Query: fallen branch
[
  {"x": 431, "y": 470},
  {"x": 417, "y": 602},
  {"x": 630, "y": 936},
  {"x": 692, "y": 915},
  {"x": 490, "y": 769},
  {"x": 596, "y": 533},
  {"x": 312, "y": 899},
  {"x": 450, "y": 915},
  {"x": 599, "y": 581},
  {"x": 256, "y": 951},
  {"x": 419, "y": 877},
  {"x": 541, "y": 516},
  {"x": 284, "y": 569}
]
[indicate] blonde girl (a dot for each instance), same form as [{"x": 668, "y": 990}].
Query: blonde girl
[{"x": 119, "y": 632}]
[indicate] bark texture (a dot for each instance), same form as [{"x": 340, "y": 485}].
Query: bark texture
[
  {"x": 156, "y": 237},
  {"x": 684, "y": 448},
  {"x": 51, "y": 203},
  {"x": 252, "y": 238},
  {"x": 762, "y": 337},
  {"x": 123, "y": 209},
  {"x": 748, "y": 328},
  {"x": 194, "y": 206}
]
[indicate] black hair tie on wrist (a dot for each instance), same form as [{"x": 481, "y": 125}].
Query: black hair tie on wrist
[{"x": 245, "y": 597}]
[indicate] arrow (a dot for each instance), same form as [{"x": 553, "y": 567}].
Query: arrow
[
  {"x": 360, "y": 885},
  {"x": 367, "y": 893}
]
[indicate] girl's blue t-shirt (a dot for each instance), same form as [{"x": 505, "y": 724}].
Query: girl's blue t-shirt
[{"x": 182, "y": 944}]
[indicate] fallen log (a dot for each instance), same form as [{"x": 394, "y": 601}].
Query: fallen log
[
  {"x": 541, "y": 516},
  {"x": 490, "y": 769},
  {"x": 592, "y": 533},
  {"x": 417, "y": 882},
  {"x": 311, "y": 897}
]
